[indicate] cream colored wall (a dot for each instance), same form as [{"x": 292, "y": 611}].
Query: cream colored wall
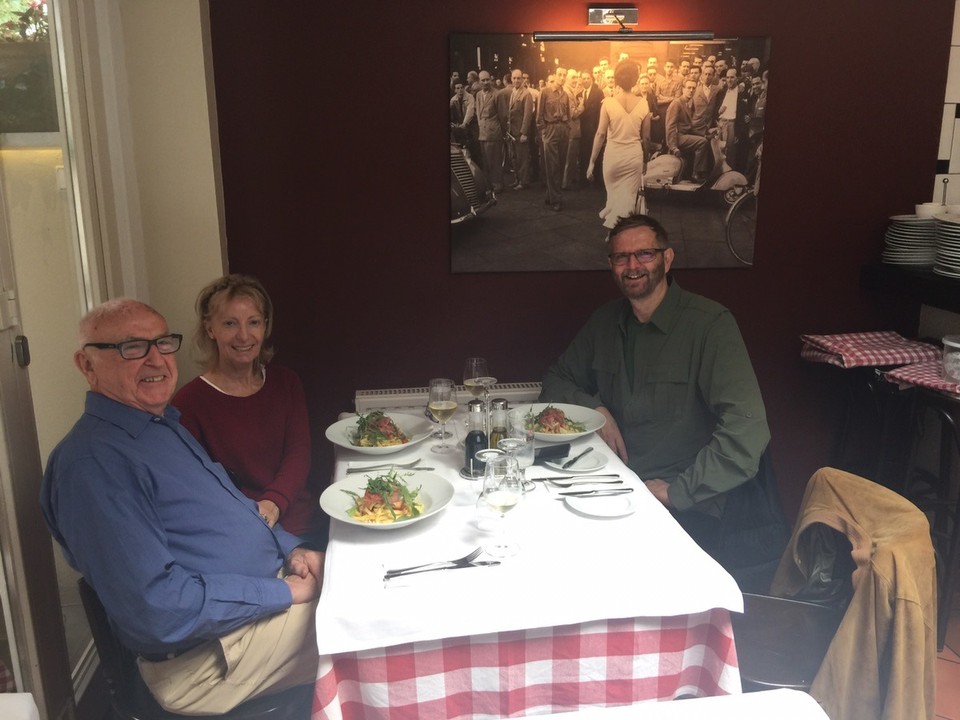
[{"x": 175, "y": 155}]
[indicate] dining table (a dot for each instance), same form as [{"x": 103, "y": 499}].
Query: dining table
[{"x": 608, "y": 602}]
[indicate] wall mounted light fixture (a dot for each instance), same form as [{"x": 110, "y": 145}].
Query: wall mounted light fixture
[
  {"x": 621, "y": 16},
  {"x": 575, "y": 35}
]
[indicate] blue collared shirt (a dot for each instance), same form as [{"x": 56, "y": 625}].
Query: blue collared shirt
[{"x": 175, "y": 552}]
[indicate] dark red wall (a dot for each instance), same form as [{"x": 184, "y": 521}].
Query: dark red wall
[{"x": 333, "y": 138}]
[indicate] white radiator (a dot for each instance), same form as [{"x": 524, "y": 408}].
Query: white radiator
[{"x": 366, "y": 400}]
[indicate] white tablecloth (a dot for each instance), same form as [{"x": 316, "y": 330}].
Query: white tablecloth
[
  {"x": 571, "y": 568},
  {"x": 18, "y": 706}
]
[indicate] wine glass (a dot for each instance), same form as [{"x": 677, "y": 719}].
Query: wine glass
[
  {"x": 476, "y": 377},
  {"x": 478, "y": 381},
  {"x": 502, "y": 490},
  {"x": 436, "y": 434},
  {"x": 442, "y": 404}
]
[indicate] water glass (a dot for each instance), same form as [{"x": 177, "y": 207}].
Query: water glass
[{"x": 502, "y": 490}]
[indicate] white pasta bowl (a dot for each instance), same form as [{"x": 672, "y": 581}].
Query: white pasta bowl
[
  {"x": 591, "y": 419},
  {"x": 344, "y": 433},
  {"x": 435, "y": 494}
]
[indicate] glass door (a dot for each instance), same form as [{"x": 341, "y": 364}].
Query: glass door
[{"x": 46, "y": 290}]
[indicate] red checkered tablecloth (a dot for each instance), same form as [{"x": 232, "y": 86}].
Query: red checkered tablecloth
[
  {"x": 864, "y": 349},
  {"x": 530, "y": 672},
  {"x": 925, "y": 374}
]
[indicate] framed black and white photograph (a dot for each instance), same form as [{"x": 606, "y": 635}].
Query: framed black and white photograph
[{"x": 552, "y": 141}]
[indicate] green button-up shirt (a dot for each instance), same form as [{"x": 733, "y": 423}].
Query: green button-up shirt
[{"x": 682, "y": 389}]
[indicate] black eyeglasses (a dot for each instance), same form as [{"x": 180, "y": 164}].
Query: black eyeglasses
[
  {"x": 138, "y": 348},
  {"x": 643, "y": 256}
]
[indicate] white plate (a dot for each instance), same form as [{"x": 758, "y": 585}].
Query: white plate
[
  {"x": 435, "y": 494},
  {"x": 589, "y": 463},
  {"x": 417, "y": 429},
  {"x": 607, "y": 506},
  {"x": 591, "y": 419}
]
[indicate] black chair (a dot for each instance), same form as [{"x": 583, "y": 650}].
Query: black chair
[
  {"x": 781, "y": 642},
  {"x": 933, "y": 492},
  {"x": 851, "y": 613},
  {"x": 753, "y": 531},
  {"x": 131, "y": 700}
]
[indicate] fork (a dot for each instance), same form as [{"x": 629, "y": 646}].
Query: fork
[
  {"x": 383, "y": 466},
  {"x": 468, "y": 558}
]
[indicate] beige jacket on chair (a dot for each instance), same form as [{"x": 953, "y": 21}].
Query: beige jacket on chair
[{"x": 881, "y": 664}]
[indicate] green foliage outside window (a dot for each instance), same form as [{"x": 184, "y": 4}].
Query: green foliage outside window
[{"x": 23, "y": 20}]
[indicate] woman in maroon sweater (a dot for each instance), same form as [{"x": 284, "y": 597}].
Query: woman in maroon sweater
[{"x": 252, "y": 419}]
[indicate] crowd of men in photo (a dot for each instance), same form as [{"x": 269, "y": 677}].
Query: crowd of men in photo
[{"x": 521, "y": 129}]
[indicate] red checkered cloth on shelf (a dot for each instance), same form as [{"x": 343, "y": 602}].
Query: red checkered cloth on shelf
[
  {"x": 533, "y": 672},
  {"x": 866, "y": 349},
  {"x": 927, "y": 374}
]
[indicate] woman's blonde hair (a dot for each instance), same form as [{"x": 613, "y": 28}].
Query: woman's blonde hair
[{"x": 212, "y": 297}]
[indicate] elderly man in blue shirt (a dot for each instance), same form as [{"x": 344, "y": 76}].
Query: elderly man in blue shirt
[{"x": 218, "y": 605}]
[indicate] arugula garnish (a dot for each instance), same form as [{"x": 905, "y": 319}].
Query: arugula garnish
[{"x": 384, "y": 486}]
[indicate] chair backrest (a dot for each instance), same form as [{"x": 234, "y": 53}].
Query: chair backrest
[
  {"x": 118, "y": 664},
  {"x": 753, "y": 531},
  {"x": 881, "y": 662},
  {"x": 130, "y": 697}
]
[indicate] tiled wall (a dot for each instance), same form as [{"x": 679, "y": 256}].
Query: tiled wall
[
  {"x": 948, "y": 158},
  {"x": 935, "y": 322}
]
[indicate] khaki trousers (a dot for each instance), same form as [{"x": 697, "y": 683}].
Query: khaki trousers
[{"x": 264, "y": 657}]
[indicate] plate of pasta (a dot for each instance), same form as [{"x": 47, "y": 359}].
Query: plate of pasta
[
  {"x": 379, "y": 433},
  {"x": 561, "y": 422},
  {"x": 386, "y": 500}
]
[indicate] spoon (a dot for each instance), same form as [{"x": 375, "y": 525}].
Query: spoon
[{"x": 571, "y": 461}]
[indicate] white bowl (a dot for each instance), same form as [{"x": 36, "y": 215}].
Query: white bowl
[
  {"x": 591, "y": 419},
  {"x": 435, "y": 494},
  {"x": 344, "y": 433}
]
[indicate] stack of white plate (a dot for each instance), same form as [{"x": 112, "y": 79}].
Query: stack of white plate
[
  {"x": 910, "y": 241},
  {"x": 948, "y": 246}
]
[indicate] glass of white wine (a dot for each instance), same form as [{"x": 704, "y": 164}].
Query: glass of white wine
[
  {"x": 477, "y": 378},
  {"x": 442, "y": 404},
  {"x": 436, "y": 434},
  {"x": 502, "y": 490}
]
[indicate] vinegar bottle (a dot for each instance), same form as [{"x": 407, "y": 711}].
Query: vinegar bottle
[
  {"x": 498, "y": 421},
  {"x": 475, "y": 441}
]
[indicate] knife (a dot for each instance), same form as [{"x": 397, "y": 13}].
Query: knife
[
  {"x": 572, "y": 460},
  {"x": 596, "y": 493},
  {"x": 574, "y": 477},
  {"x": 476, "y": 563},
  {"x": 352, "y": 470}
]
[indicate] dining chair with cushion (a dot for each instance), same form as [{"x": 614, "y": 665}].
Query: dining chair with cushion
[
  {"x": 879, "y": 647},
  {"x": 131, "y": 700}
]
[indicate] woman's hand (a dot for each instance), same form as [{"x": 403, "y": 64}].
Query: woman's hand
[
  {"x": 268, "y": 511},
  {"x": 590, "y": 171}
]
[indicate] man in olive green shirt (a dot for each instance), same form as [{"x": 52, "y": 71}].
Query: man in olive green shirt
[{"x": 669, "y": 371}]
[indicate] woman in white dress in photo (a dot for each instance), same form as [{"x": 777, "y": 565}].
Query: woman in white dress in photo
[{"x": 621, "y": 117}]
